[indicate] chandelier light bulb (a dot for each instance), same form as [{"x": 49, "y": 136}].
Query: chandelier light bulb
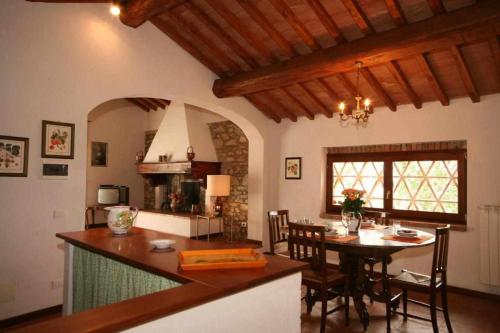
[
  {"x": 115, "y": 10},
  {"x": 342, "y": 107}
]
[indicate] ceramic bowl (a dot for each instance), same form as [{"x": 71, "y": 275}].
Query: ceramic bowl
[{"x": 162, "y": 243}]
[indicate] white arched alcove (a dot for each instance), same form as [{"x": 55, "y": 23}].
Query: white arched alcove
[{"x": 256, "y": 173}]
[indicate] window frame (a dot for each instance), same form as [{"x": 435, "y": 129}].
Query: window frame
[{"x": 388, "y": 157}]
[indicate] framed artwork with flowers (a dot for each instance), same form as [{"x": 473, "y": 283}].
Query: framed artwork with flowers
[
  {"x": 13, "y": 156},
  {"x": 58, "y": 139},
  {"x": 293, "y": 167}
]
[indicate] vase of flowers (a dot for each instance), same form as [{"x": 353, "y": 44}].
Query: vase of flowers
[
  {"x": 175, "y": 201},
  {"x": 352, "y": 208}
]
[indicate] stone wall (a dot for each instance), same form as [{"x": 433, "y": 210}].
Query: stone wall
[
  {"x": 149, "y": 191},
  {"x": 231, "y": 147}
]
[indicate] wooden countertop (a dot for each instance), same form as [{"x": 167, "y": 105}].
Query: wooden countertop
[{"x": 199, "y": 286}]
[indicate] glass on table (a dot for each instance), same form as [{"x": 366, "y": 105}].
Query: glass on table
[{"x": 396, "y": 225}]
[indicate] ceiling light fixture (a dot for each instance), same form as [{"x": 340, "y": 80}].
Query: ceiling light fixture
[
  {"x": 358, "y": 113},
  {"x": 115, "y": 10}
]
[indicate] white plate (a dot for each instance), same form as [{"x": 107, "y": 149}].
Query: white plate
[{"x": 162, "y": 243}]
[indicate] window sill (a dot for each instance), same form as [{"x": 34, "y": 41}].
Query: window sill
[{"x": 407, "y": 223}]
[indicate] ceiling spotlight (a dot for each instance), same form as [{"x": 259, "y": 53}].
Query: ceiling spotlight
[{"x": 114, "y": 10}]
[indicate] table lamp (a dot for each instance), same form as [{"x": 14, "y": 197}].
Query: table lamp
[{"x": 217, "y": 186}]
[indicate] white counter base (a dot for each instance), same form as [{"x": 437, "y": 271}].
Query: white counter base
[
  {"x": 177, "y": 225},
  {"x": 273, "y": 307}
]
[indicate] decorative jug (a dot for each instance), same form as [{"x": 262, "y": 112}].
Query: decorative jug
[{"x": 121, "y": 218}]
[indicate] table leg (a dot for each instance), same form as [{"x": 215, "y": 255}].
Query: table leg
[{"x": 353, "y": 265}]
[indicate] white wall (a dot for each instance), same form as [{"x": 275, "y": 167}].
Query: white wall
[
  {"x": 58, "y": 62},
  {"x": 122, "y": 126},
  {"x": 462, "y": 120}
]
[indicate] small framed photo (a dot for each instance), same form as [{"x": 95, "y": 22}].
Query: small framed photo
[
  {"x": 99, "y": 155},
  {"x": 293, "y": 167},
  {"x": 58, "y": 139},
  {"x": 14, "y": 153}
]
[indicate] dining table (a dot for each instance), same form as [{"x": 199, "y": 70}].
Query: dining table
[{"x": 373, "y": 242}]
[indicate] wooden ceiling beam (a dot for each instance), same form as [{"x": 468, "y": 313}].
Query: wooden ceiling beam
[
  {"x": 495, "y": 51},
  {"x": 222, "y": 34},
  {"x": 136, "y": 103},
  {"x": 329, "y": 90},
  {"x": 158, "y": 102},
  {"x": 327, "y": 20},
  {"x": 71, "y": 1},
  {"x": 287, "y": 13},
  {"x": 277, "y": 104},
  {"x": 396, "y": 13},
  {"x": 319, "y": 104},
  {"x": 403, "y": 83},
  {"x": 136, "y": 12},
  {"x": 378, "y": 89},
  {"x": 298, "y": 102},
  {"x": 253, "y": 40},
  {"x": 265, "y": 25},
  {"x": 432, "y": 79},
  {"x": 146, "y": 103},
  {"x": 170, "y": 31},
  {"x": 199, "y": 38},
  {"x": 263, "y": 107},
  {"x": 344, "y": 81},
  {"x": 437, "y": 7},
  {"x": 359, "y": 17},
  {"x": 462, "y": 26},
  {"x": 465, "y": 74}
]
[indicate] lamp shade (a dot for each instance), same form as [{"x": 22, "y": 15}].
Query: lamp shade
[{"x": 218, "y": 185}]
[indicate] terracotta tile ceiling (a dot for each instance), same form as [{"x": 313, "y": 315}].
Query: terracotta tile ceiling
[{"x": 295, "y": 58}]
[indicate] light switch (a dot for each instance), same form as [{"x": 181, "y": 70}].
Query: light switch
[{"x": 59, "y": 213}]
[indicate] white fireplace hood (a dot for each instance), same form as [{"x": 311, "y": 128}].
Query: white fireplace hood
[{"x": 179, "y": 129}]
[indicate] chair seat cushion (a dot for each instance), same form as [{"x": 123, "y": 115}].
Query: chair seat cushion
[
  {"x": 412, "y": 278},
  {"x": 312, "y": 278}
]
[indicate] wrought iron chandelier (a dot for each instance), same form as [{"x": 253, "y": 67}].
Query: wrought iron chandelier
[{"x": 358, "y": 113}]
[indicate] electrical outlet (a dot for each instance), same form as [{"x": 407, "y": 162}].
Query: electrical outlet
[
  {"x": 243, "y": 224},
  {"x": 58, "y": 213},
  {"x": 56, "y": 284}
]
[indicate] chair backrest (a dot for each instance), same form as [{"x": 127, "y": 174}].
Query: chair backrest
[
  {"x": 277, "y": 219},
  {"x": 440, "y": 257},
  {"x": 307, "y": 243},
  {"x": 88, "y": 217}
]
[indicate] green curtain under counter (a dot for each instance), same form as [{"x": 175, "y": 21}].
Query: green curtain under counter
[{"x": 98, "y": 281}]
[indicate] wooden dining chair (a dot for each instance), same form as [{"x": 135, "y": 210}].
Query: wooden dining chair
[
  {"x": 277, "y": 219},
  {"x": 307, "y": 243},
  {"x": 89, "y": 220},
  {"x": 431, "y": 285}
]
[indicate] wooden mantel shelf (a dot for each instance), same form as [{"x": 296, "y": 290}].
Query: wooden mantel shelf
[
  {"x": 198, "y": 287},
  {"x": 185, "y": 167}
]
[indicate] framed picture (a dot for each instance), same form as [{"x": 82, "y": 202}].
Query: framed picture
[
  {"x": 99, "y": 156},
  {"x": 14, "y": 153},
  {"x": 293, "y": 167},
  {"x": 58, "y": 139}
]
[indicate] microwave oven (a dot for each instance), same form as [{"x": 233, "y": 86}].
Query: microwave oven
[{"x": 112, "y": 195}]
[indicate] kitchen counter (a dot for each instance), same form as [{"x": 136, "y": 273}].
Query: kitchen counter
[
  {"x": 199, "y": 287},
  {"x": 168, "y": 212}
]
